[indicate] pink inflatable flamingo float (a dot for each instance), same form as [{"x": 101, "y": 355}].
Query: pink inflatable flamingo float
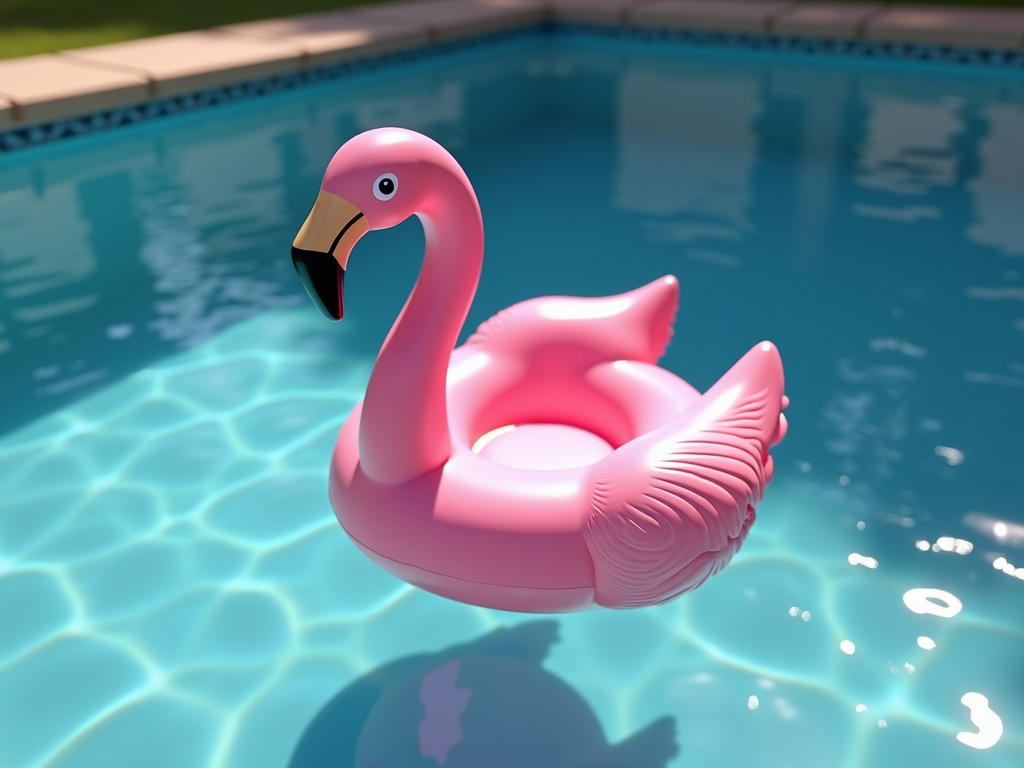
[{"x": 548, "y": 464}]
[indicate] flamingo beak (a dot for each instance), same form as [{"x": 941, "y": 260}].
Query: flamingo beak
[{"x": 321, "y": 249}]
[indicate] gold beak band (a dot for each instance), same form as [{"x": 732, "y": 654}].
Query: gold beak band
[
  {"x": 321, "y": 250},
  {"x": 333, "y": 227}
]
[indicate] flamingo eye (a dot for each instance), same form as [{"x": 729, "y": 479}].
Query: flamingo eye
[{"x": 385, "y": 187}]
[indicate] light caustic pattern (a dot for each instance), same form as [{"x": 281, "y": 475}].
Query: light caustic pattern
[
  {"x": 167, "y": 548},
  {"x": 184, "y": 595}
]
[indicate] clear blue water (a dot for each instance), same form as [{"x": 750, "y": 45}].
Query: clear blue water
[{"x": 174, "y": 589}]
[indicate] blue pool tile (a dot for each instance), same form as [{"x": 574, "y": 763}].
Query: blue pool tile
[
  {"x": 132, "y": 580},
  {"x": 274, "y": 426},
  {"x": 60, "y": 690},
  {"x": 159, "y": 731},
  {"x": 187, "y": 457},
  {"x": 213, "y": 561},
  {"x": 269, "y": 510},
  {"x": 285, "y": 707},
  {"x": 150, "y": 416},
  {"x": 220, "y": 386},
  {"x": 43, "y": 608},
  {"x": 230, "y": 688},
  {"x": 26, "y": 521},
  {"x": 760, "y": 590},
  {"x": 245, "y": 627}
]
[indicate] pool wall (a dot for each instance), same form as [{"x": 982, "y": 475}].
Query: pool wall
[{"x": 54, "y": 96}]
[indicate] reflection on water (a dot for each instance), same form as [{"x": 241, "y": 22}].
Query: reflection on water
[
  {"x": 999, "y": 185},
  {"x": 195, "y": 295},
  {"x": 115, "y": 254},
  {"x": 45, "y": 245},
  {"x": 1006, "y": 533},
  {"x": 691, "y": 168},
  {"x": 182, "y": 592},
  {"x": 908, "y": 147},
  {"x": 113, "y": 264},
  {"x": 425, "y": 111}
]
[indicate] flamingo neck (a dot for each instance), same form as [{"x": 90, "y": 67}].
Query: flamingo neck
[{"x": 403, "y": 431}]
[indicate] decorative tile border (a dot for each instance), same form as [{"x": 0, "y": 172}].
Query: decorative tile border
[
  {"x": 946, "y": 54},
  {"x": 19, "y": 138}
]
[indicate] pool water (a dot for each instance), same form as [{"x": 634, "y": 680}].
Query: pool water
[{"x": 175, "y": 591}]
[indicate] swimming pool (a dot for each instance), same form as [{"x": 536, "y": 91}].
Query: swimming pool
[{"x": 174, "y": 589}]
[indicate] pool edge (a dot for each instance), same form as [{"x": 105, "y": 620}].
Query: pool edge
[{"x": 51, "y": 97}]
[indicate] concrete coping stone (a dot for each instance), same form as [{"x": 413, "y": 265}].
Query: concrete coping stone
[
  {"x": 749, "y": 16},
  {"x": 838, "y": 21},
  {"x": 981, "y": 27}
]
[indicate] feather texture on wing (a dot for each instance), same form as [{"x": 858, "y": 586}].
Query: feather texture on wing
[{"x": 670, "y": 508}]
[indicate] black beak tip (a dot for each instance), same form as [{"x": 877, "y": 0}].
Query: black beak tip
[{"x": 324, "y": 281}]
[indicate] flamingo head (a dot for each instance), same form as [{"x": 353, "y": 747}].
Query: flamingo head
[{"x": 375, "y": 181}]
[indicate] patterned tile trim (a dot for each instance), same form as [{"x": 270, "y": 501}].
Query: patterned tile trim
[{"x": 875, "y": 49}]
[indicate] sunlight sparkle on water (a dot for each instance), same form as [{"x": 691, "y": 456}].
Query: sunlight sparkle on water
[
  {"x": 950, "y": 544},
  {"x": 922, "y": 600},
  {"x": 1002, "y": 564},
  {"x": 867, "y": 562},
  {"x": 990, "y": 725}
]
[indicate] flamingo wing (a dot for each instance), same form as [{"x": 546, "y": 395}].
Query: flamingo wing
[{"x": 670, "y": 508}]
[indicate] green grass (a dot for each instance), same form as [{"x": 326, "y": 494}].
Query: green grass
[{"x": 40, "y": 26}]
